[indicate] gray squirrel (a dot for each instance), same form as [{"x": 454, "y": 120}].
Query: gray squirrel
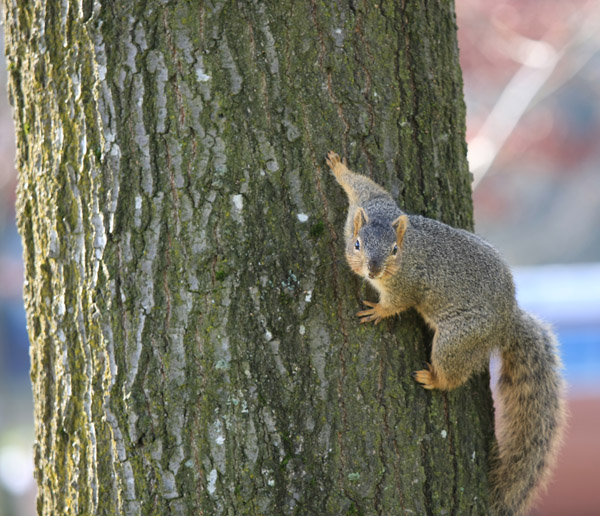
[{"x": 464, "y": 291}]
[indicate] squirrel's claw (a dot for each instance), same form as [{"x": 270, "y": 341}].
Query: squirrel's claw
[
  {"x": 425, "y": 377},
  {"x": 375, "y": 313},
  {"x": 333, "y": 160},
  {"x": 366, "y": 316}
]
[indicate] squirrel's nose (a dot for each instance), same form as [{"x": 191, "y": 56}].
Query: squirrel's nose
[{"x": 374, "y": 268}]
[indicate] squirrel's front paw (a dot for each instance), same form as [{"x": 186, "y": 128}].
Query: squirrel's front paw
[{"x": 375, "y": 313}]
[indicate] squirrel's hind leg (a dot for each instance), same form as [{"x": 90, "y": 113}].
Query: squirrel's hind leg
[
  {"x": 457, "y": 352},
  {"x": 342, "y": 174}
]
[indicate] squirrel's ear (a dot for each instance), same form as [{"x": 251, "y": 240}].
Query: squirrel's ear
[
  {"x": 400, "y": 225},
  {"x": 360, "y": 219}
]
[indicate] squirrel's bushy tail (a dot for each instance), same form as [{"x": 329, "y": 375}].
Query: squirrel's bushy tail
[{"x": 531, "y": 394}]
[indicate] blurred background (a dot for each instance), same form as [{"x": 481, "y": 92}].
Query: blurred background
[{"x": 532, "y": 87}]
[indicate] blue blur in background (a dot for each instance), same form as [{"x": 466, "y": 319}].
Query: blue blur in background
[{"x": 568, "y": 296}]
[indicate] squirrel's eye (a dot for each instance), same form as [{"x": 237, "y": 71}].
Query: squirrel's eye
[
  {"x": 395, "y": 250},
  {"x": 357, "y": 245}
]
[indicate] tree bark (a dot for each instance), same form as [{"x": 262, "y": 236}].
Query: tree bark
[{"x": 193, "y": 340}]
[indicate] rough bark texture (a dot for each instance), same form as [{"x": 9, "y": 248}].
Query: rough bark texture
[{"x": 193, "y": 340}]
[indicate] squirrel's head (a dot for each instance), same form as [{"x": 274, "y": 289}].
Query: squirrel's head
[{"x": 374, "y": 249}]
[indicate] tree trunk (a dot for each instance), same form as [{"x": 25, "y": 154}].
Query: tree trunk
[{"x": 193, "y": 340}]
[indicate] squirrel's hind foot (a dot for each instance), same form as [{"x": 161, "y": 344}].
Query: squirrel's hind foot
[
  {"x": 425, "y": 377},
  {"x": 337, "y": 165},
  {"x": 431, "y": 378}
]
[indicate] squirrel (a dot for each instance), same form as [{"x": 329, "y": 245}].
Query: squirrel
[{"x": 464, "y": 291}]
